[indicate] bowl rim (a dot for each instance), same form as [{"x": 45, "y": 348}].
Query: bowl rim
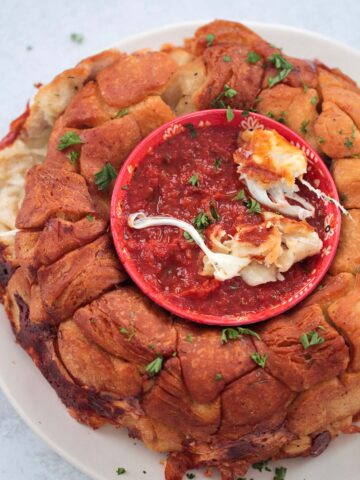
[{"x": 154, "y": 139}]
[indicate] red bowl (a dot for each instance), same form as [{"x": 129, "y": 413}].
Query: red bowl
[{"x": 317, "y": 173}]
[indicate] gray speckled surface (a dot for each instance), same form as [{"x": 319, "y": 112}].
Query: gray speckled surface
[{"x": 35, "y": 45}]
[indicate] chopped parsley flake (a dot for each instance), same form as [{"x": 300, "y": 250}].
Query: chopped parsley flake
[
  {"x": 283, "y": 67},
  {"x": 311, "y": 338},
  {"x": 218, "y": 101},
  {"x": 229, "y": 92},
  {"x": 253, "y": 57},
  {"x": 191, "y": 129},
  {"x": 189, "y": 338},
  {"x": 77, "y": 38},
  {"x": 263, "y": 465},
  {"x": 68, "y": 139},
  {"x": 240, "y": 195},
  {"x": 280, "y": 473},
  {"x": 253, "y": 206},
  {"x": 73, "y": 157},
  {"x": 314, "y": 100},
  {"x": 321, "y": 140},
  {"x": 129, "y": 333},
  {"x": 305, "y": 87},
  {"x": 190, "y": 475},
  {"x": 154, "y": 367},
  {"x": 194, "y": 180},
  {"x": 90, "y": 217},
  {"x": 210, "y": 39},
  {"x": 234, "y": 333},
  {"x": 120, "y": 471},
  {"x": 218, "y": 377},
  {"x": 188, "y": 237},
  {"x": 259, "y": 359},
  {"x": 202, "y": 221},
  {"x": 105, "y": 176},
  {"x": 124, "y": 187},
  {"x": 304, "y": 126},
  {"x": 229, "y": 114},
  {"x": 214, "y": 212},
  {"x": 217, "y": 163},
  {"x": 227, "y": 58},
  {"x": 348, "y": 143},
  {"x": 122, "y": 113}
]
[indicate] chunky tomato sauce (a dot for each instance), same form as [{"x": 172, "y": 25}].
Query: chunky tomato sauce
[{"x": 165, "y": 258}]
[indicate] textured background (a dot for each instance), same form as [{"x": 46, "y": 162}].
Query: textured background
[{"x": 35, "y": 45}]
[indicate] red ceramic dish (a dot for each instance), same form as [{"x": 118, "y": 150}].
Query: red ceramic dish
[{"x": 297, "y": 284}]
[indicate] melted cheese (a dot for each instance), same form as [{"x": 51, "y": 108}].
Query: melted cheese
[
  {"x": 269, "y": 165},
  {"x": 269, "y": 158},
  {"x": 268, "y": 249}
]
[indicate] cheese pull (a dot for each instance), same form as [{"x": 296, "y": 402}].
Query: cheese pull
[
  {"x": 223, "y": 266},
  {"x": 269, "y": 166}
]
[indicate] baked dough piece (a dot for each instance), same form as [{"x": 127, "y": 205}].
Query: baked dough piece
[{"x": 347, "y": 258}]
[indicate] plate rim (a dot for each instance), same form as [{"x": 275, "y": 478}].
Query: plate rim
[{"x": 13, "y": 400}]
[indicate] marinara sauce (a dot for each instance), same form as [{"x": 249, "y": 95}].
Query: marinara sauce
[{"x": 191, "y": 173}]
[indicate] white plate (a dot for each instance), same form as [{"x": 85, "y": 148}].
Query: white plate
[{"x": 99, "y": 453}]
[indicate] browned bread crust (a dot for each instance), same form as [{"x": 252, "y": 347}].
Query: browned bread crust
[{"x": 92, "y": 333}]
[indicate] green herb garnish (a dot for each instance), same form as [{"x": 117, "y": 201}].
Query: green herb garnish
[
  {"x": 218, "y": 377},
  {"x": 77, "y": 38},
  {"x": 68, "y": 139},
  {"x": 124, "y": 187},
  {"x": 210, "y": 39},
  {"x": 229, "y": 114},
  {"x": 90, "y": 217},
  {"x": 321, "y": 140},
  {"x": 122, "y": 113},
  {"x": 218, "y": 101},
  {"x": 229, "y": 92},
  {"x": 188, "y": 237},
  {"x": 305, "y": 87},
  {"x": 311, "y": 338},
  {"x": 283, "y": 67},
  {"x": 348, "y": 143},
  {"x": 227, "y": 58},
  {"x": 202, "y": 221},
  {"x": 129, "y": 333},
  {"x": 73, "y": 157},
  {"x": 105, "y": 176},
  {"x": 217, "y": 163},
  {"x": 189, "y": 338},
  {"x": 194, "y": 180},
  {"x": 234, "y": 333},
  {"x": 253, "y": 206},
  {"x": 263, "y": 465},
  {"x": 191, "y": 128},
  {"x": 214, "y": 212},
  {"x": 280, "y": 473},
  {"x": 240, "y": 195},
  {"x": 191, "y": 476},
  {"x": 304, "y": 126},
  {"x": 253, "y": 57},
  {"x": 314, "y": 100},
  {"x": 154, "y": 367},
  {"x": 120, "y": 471},
  {"x": 259, "y": 359}
]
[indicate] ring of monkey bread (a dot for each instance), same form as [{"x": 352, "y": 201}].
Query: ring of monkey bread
[{"x": 93, "y": 334}]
